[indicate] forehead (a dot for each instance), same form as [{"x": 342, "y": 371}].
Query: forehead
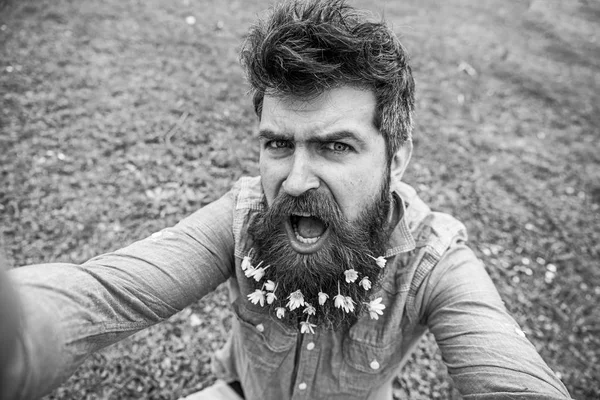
[{"x": 343, "y": 108}]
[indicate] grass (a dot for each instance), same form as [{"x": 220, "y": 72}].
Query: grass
[{"x": 118, "y": 118}]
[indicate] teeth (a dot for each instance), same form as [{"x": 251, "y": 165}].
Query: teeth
[
  {"x": 306, "y": 240},
  {"x": 303, "y": 214}
]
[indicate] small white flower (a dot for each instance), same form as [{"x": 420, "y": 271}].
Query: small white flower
[
  {"x": 348, "y": 304},
  {"x": 351, "y": 275},
  {"x": 365, "y": 283},
  {"x": 247, "y": 261},
  {"x": 296, "y": 300},
  {"x": 270, "y": 286},
  {"x": 338, "y": 299},
  {"x": 306, "y": 327},
  {"x": 280, "y": 312},
  {"x": 258, "y": 296},
  {"x": 271, "y": 297},
  {"x": 249, "y": 271},
  {"x": 258, "y": 272},
  {"x": 310, "y": 310},
  {"x": 380, "y": 261},
  {"x": 375, "y": 308},
  {"x": 323, "y": 298}
]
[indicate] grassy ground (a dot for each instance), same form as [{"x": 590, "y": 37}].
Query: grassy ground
[{"x": 118, "y": 118}]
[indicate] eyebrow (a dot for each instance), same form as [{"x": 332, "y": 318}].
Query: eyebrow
[
  {"x": 267, "y": 134},
  {"x": 339, "y": 135}
]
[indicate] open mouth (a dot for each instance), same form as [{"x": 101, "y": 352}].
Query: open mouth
[{"x": 306, "y": 232}]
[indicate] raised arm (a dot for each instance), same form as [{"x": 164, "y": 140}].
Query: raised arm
[
  {"x": 485, "y": 350},
  {"x": 70, "y": 311}
]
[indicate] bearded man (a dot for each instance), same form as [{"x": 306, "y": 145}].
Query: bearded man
[{"x": 335, "y": 267}]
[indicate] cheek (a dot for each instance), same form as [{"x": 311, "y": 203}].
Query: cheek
[
  {"x": 351, "y": 192},
  {"x": 360, "y": 191},
  {"x": 270, "y": 178}
]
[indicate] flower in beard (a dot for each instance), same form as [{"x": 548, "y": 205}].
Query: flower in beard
[
  {"x": 348, "y": 304},
  {"x": 380, "y": 261},
  {"x": 247, "y": 261},
  {"x": 258, "y": 296},
  {"x": 306, "y": 327},
  {"x": 271, "y": 297},
  {"x": 258, "y": 273},
  {"x": 296, "y": 300},
  {"x": 270, "y": 286},
  {"x": 365, "y": 283},
  {"x": 251, "y": 270},
  {"x": 280, "y": 311},
  {"x": 351, "y": 275},
  {"x": 338, "y": 301},
  {"x": 323, "y": 298},
  {"x": 309, "y": 309},
  {"x": 343, "y": 302},
  {"x": 375, "y": 308}
]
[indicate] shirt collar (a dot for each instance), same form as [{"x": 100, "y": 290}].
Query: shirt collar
[{"x": 401, "y": 239}]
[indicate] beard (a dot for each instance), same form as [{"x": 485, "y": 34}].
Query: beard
[{"x": 349, "y": 245}]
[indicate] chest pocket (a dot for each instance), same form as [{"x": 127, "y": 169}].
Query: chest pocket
[
  {"x": 372, "y": 349},
  {"x": 261, "y": 345},
  {"x": 367, "y": 366}
]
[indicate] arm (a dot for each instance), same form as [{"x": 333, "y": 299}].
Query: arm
[
  {"x": 9, "y": 321},
  {"x": 70, "y": 311},
  {"x": 486, "y": 352}
]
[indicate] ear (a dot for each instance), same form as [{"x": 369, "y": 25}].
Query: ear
[{"x": 401, "y": 159}]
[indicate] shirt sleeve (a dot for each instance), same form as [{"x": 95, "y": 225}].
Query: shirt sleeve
[
  {"x": 70, "y": 311},
  {"x": 485, "y": 350}
]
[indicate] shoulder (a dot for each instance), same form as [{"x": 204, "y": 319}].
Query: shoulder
[
  {"x": 248, "y": 193},
  {"x": 435, "y": 235},
  {"x": 436, "y": 231}
]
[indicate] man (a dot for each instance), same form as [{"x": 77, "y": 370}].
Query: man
[{"x": 335, "y": 267}]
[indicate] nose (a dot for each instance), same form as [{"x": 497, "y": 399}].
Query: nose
[{"x": 301, "y": 178}]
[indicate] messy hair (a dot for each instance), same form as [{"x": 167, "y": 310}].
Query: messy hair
[{"x": 307, "y": 47}]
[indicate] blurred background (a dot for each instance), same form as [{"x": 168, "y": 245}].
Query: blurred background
[{"x": 120, "y": 117}]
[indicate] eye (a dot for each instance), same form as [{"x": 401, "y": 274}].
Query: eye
[
  {"x": 338, "y": 147},
  {"x": 277, "y": 144}
]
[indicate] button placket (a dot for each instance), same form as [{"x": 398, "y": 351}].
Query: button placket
[{"x": 307, "y": 367}]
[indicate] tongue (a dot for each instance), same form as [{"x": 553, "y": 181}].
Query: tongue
[{"x": 310, "y": 227}]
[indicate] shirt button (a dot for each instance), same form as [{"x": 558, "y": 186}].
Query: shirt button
[
  {"x": 260, "y": 327},
  {"x": 302, "y": 386},
  {"x": 374, "y": 364},
  {"x": 310, "y": 346}
]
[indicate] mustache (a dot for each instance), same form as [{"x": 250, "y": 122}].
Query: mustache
[{"x": 318, "y": 204}]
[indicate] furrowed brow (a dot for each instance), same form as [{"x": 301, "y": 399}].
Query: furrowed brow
[
  {"x": 339, "y": 135},
  {"x": 266, "y": 134}
]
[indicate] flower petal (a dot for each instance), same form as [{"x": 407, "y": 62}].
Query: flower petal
[{"x": 351, "y": 275}]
